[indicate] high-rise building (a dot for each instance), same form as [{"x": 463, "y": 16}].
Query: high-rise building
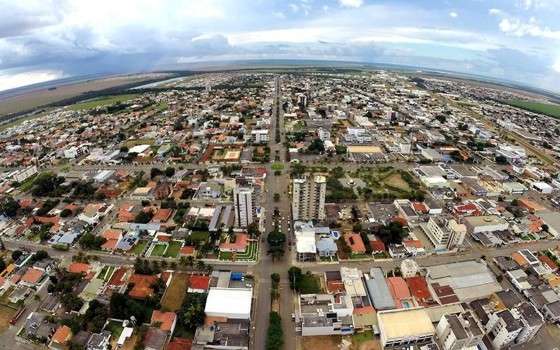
[
  {"x": 243, "y": 205},
  {"x": 308, "y": 200}
]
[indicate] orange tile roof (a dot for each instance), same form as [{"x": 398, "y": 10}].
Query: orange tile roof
[
  {"x": 112, "y": 234},
  {"x": 548, "y": 261},
  {"x": 355, "y": 242},
  {"x": 162, "y": 215},
  {"x": 62, "y": 335},
  {"x": 240, "y": 244},
  {"x": 519, "y": 259},
  {"x": 364, "y": 310},
  {"x": 165, "y": 319},
  {"x": 77, "y": 267},
  {"x": 142, "y": 286},
  {"x": 399, "y": 289},
  {"x": 110, "y": 244},
  {"x": 32, "y": 275},
  {"x": 179, "y": 344},
  {"x": 187, "y": 250}
]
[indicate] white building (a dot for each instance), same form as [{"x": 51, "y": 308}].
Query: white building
[
  {"x": 405, "y": 327},
  {"x": 503, "y": 328},
  {"x": 243, "y": 206},
  {"x": 458, "y": 332},
  {"x": 444, "y": 234},
  {"x": 229, "y": 303},
  {"x": 323, "y": 314},
  {"x": 260, "y": 135},
  {"x": 308, "y": 198}
]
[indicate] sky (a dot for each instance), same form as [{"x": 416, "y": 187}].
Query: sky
[{"x": 41, "y": 40}]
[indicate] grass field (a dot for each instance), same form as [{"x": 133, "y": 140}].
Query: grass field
[
  {"x": 249, "y": 255},
  {"x": 106, "y": 272},
  {"x": 115, "y": 328},
  {"x": 159, "y": 250},
  {"x": 102, "y": 101},
  {"x": 277, "y": 166},
  {"x": 139, "y": 248},
  {"x": 199, "y": 236},
  {"x": 175, "y": 293},
  {"x": 552, "y": 110},
  {"x": 173, "y": 249}
]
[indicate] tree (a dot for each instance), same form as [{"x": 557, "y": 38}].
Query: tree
[
  {"x": 169, "y": 171},
  {"x": 391, "y": 233},
  {"x": 294, "y": 275},
  {"x": 143, "y": 217},
  {"x": 192, "y": 311},
  {"x": 274, "y": 335},
  {"x": 316, "y": 147},
  {"x": 154, "y": 172},
  {"x": 39, "y": 255},
  {"x": 277, "y": 197},
  {"x": 340, "y": 149},
  {"x": 9, "y": 207},
  {"x": 16, "y": 254},
  {"x": 91, "y": 241},
  {"x": 2, "y": 265}
]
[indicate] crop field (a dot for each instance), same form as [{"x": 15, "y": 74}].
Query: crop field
[
  {"x": 549, "y": 109},
  {"x": 44, "y": 96},
  {"x": 102, "y": 101}
]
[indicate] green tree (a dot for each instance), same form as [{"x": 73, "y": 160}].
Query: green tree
[{"x": 274, "y": 335}]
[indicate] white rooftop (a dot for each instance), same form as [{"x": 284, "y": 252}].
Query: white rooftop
[{"x": 232, "y": 303}]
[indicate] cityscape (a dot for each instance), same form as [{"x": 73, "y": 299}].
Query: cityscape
[{"x": 270, "y": 175}]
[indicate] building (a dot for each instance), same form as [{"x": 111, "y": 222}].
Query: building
[
  {"x": 308, "y": 198},
  {"x": 325, "y": 314},
  {"x": 243, "y": 205},
  {"x": 457, "y": 332},
  {"x": 503, "y": 328},
  {"x": 488, "y": 223},
  {"x": 378, "y": 290},
  {"x": 229, "y": 303},
  {"x": 259, "y": 135},
  {"x": 397, "y": 329},
  {"x": 532, "y": 321},
  {"x": 443, "y": 233}
]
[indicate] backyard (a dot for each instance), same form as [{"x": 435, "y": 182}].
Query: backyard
[
  {"x": 249, "y": 255},
  {"x": 140, "y": 247}
]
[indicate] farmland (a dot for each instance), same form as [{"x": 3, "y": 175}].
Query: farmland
[
  {"x": 549, "y": 109},
  {"x": 102, "y": 101}
]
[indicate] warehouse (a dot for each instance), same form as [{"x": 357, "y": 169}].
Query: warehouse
[
  {"x": 396, "y": 330},
  {"x": 229, "y": 303}
]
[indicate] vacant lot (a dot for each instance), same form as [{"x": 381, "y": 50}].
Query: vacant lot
[
  {"x": 6, "y": 314},
  {"x": 322, "y": 342},
  {"x": 45, "y": 96},
  {"x": 550, "y": 109},
  {"x": 175, "y": 293}
]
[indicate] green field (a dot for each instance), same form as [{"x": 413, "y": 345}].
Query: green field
[
  {"x": 139, "y": 248},
  {"x": 159, "y": 250},
  {"x": 550, "y": 109},
  {"x": 102, "y": 101},
  {"x": 173, "y": 249},
  {"x": 199, "y": 236}
]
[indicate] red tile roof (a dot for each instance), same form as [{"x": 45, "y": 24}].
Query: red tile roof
[
  {"x": 419, "y": 288},
  {"x": 199, "y": 282},
  {"x": 377, "y": 246},
  {"x": 62, "y": 335},
  {"x": 142, "y": 286},
  {"x": 77, "y": 267},
  {"x": 165, "y": 319},
  {"x": 32, "y": 275},
  {"x": 179, "y": 344},
  {"x": 355, "y": 242},
  {"x": 240, "y": 244}
]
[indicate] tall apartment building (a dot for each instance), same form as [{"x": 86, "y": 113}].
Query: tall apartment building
[
  {"x": 243, "y": 205},
  {"x": 444, "y": 234},
  {"x": 308, "y": 201},
  {"x": 458, "y": 332}
]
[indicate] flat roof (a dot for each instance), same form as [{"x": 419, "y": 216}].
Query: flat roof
[
  {"x": 404, "y": 323},
  {"x": 229, "y": 301}
]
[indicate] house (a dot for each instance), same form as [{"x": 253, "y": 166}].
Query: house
[
  {"x": 155, "y": 339},
  {"x": 236, "y": 244},
  {"x": 198, "y": 283},
  {"x": 326, "y": 247},
  {"x": 93, "y": 212},
  {"x": 142, "y": 286},
  {"x": 99, "y": 341},
  {"x": 355, "y": 242},
  {"x": 32, "y": 277},
  {"x": 188, "y": 250},
  {"x": 179, "y": 344},
  {"x": 60, "y": 338},
  {"x": 112, "y": 237},
  {"x": 165, "y": 321}
]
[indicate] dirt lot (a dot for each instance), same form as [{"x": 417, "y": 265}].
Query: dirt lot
[
  {"x": 397, "y": 181},
  {"x": 45, "y": 96},
  {"x": 6, "y": 314},
  {"x": 321, "y": 342},
  {"x": 175, "y": 293}
]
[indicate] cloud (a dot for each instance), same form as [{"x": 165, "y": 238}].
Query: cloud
[
  {"x": 556, "y": 66},
  {"x": 453, "y": 14},
  {"x": 12, "y": 80},
  {"x": 351, "y": 3}
]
